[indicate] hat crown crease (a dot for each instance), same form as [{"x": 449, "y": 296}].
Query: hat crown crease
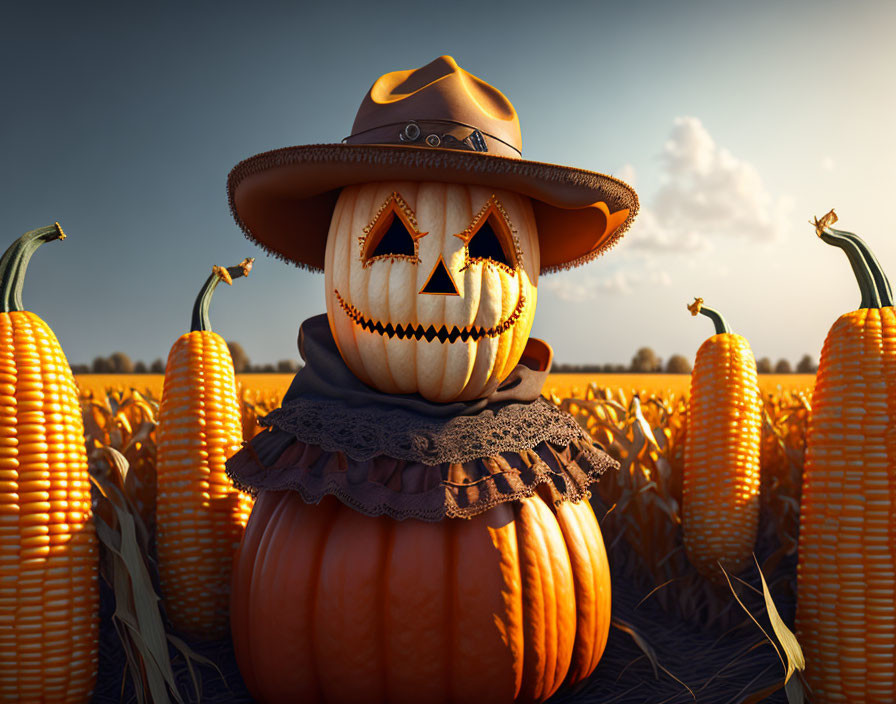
[{"x": 441, "y": 90}]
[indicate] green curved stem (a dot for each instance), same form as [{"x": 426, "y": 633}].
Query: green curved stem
[
  {"x": 697, "y": 307},
  {"x": 15, "y": 261},
  {"x": 881, "y": 282},
  {"x": 200, "y": 319},
  {"x": 860, "y": 265},
  {"x": 716, "y": 318}
]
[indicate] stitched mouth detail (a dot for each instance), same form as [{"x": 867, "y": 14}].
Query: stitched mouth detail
[{"x": 430, "y": 333}]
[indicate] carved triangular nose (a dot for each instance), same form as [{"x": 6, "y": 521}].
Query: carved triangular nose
[{"x": 440, "y": 281}]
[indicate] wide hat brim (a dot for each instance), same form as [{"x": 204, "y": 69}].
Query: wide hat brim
[{"x": 283, "y": 199}]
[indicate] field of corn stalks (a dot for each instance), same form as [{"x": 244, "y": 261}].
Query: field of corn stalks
[
  {"x": 639, "y": 508},
  {"x": 642, "y": 524}
]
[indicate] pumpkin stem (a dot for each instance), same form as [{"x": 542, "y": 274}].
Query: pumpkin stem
[
  {"x": 15, "y": 261},
  {"x": 881, "y": 282},
  {"x": 204, "y": 299},
  {"x": 697, "y": 308},
  {"x": 873, "y": 283}
]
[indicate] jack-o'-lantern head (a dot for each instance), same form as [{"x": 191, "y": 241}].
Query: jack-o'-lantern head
[
  {"x": 433, "y": 227},
  {"x": 431, "y": 287}
]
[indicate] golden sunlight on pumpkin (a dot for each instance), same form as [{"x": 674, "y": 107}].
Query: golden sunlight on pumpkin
[
  {"x": 332, "y": 606},
  {"x": 431, "y": 287}
]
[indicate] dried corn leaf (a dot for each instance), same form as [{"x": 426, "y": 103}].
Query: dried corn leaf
[
  {"x": 788, "y": 641},
  {"x": 640, "y": 642},
  {"x": 190, "y": 656},
  {"x": 641, "y": 422},
  {"x": 793, "y": 686},
  {"x": 753, "y": 618},
  {"x": 147, "y": 666},
  {"x": 648, "y": 651},
  {"x": 137, "y": 609}
]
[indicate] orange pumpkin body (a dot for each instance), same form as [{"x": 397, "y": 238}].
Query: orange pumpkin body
[
  {"x": 329, "y": 605},
  {"x": 431, "y": 257}
]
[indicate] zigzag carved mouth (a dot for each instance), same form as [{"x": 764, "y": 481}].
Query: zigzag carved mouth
[{"x": 430, "y": 333}]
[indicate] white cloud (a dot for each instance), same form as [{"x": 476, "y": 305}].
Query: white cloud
[
  {"x": 707, "y": 192},
  {"x": 649, "y": 234},
  {"x": 589, "y": 288},
  {"x": 660, "y": 278}
]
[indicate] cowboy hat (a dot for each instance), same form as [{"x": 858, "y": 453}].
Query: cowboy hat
[{"x": 435, "y": 123}]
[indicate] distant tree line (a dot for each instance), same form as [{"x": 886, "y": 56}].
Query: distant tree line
[
  {"x": 120, "y": 363},
  {"x": 806, "y": 365},
  {"x": 646, "y": 361},
  {"x": 242, "y": 365}
]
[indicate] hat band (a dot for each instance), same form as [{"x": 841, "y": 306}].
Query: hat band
[{"x": 443, "y": 134}]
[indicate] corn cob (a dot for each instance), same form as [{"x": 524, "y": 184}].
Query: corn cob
[
  {"x": 48, "y": 547},
  {"x": 846, "y": 578},
  {"x": 200, "y": 516},
  {"x": 720, "y": 491}
]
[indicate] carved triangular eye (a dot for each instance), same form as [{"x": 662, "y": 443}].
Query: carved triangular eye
[
  {"x": 486, "y": 244},
  {"x": 489, "y": 238},
  {"x": 395, "y": 239},
  {"x": 393, "y": 233}
]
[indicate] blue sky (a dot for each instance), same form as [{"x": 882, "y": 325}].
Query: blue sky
[{"x": 736, "y": 122}]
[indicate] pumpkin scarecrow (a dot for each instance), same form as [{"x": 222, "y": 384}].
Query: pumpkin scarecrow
[{"x": 421, "y": 530}]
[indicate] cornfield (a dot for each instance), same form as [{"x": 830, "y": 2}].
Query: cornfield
[
  {"x": 642, "y": 502},
  {"x": 639, "y": 507}
]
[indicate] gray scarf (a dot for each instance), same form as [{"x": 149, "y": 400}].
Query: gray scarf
[{"x": 328, "y": 406}]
